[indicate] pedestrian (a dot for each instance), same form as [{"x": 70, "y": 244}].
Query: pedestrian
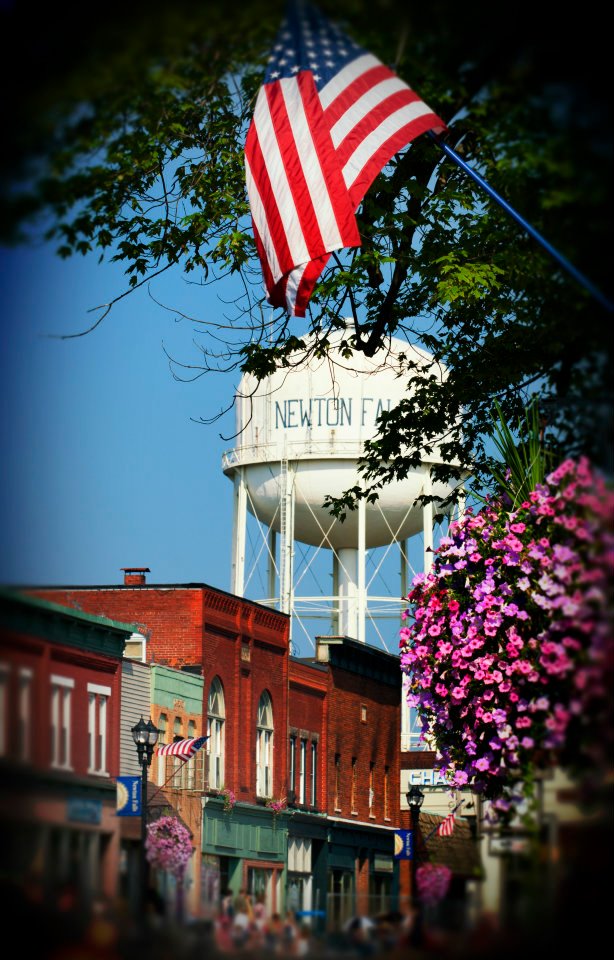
[
  {"x": 260, "y": 919},
  {"x": 241, "y": 922},
  {"x": 272, "y": 934},
  {"x": 227, "y": 906},
  {"x": 289, "y": 934},
  {"x": 240, "y": 929},
  {"x": 303, "y": 943}
]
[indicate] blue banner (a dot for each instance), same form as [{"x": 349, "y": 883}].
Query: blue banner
[
  {"x": 404, "y": 844},
  {"x": 128, "y": 797}
]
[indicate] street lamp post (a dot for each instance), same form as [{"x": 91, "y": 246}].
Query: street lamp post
[
  {"x": 415, "y": 799},
  {"x": 145, "y": 736}
]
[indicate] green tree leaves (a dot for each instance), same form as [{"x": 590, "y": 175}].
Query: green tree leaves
[{"x": 128, "y": 142}]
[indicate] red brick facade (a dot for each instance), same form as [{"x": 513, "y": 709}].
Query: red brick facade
[
  {"x": 243, "y": 644},
  {"x": 59, "y": 750}
]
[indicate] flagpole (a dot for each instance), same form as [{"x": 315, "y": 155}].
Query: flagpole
[
  {"x": 184, "y": 760},
  {"x": 569, "y": 267},
  {"x": 437, "y": 825}
]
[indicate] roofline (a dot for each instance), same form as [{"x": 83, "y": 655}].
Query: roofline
[
  {"x": 14, "y": 595},
  {"x": 148, "y": 586}
]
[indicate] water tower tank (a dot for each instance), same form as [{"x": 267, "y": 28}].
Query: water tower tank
[{"x": 300, "y": 434}]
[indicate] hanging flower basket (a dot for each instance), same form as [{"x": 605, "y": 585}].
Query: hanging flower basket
[
  {"x": 168, "y": 845},
  {"x": 509, "y": 647},
  {"x": 433, "y": 882},
  {"x": 229, "y": 799},
  {"x": 277, "y": 805}
]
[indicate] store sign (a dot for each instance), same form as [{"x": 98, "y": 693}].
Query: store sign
[
  {"x": 128, "y": 797},
  {"x": 404, "y": 844},
  {"x": 424, "y": 777},
  {"x": 501, "y": 845},
  {"x": 81, "y": 810}
]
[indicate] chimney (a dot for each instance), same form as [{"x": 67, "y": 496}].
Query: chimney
[{"x": 134, "y": 576}]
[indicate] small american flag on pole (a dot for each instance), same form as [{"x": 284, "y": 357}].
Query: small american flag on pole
[
  {"x": 328, "y": 117},
  {"x": 182, "y": 748},
  {"x": 446, "y": 827}
]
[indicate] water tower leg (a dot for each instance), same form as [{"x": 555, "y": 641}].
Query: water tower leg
[
  {"x": 361, "y": 599},
  {"x": 271, "y": 566},
  {"x": 348, "y": 592},
  {"x": 404, "y": 548},
  {"x": 427, "y": 522},
  {"x": 335, "y": 624},
  {"x": 239, "y": 522},
  {"x": 286, "y": 544},
  {"x": 461, "y": 504},
  {"x": 352, "y": 584}
]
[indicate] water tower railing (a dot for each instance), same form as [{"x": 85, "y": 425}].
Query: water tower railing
[{"x": 300, "y": 450}]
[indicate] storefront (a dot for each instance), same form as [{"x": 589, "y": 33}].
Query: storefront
[
  {"x": 362, "y": 872},
  {"x": 306, "y": 878},
  {"x": 243, "y": 849}
]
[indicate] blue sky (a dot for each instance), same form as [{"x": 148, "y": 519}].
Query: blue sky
[{"x": 103, "y": 466}]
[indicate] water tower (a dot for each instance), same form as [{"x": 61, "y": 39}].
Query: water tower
[{"x": 299, "y": 435}]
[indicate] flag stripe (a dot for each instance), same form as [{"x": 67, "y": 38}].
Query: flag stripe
[
  {"x": 446, "y": 827},
  {"x": 182, "y": 748},
  {"x": 270, "y": 175},
  {"x": 377, "y": 149},
  {"x": 323, "y": 128},
  {"x": 333, "y": 208},
  {"x": 343, "y": 80},
  {"x": 301, "y": 283},
  {"x": 267, "y": 247},
  {"x": 298, "y": 197},
  {"x": 364, "y": 95}
]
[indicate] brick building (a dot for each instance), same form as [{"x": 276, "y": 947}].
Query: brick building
[
  {"x": 319, "y": 735},
  {"x": 60, "y": 701}
]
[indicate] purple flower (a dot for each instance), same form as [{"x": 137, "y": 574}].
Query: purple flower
[
  {"x": 168, "y": 845},
  {"x": 522, "y": 639}
]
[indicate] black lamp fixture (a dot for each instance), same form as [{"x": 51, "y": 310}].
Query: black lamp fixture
[
  {"x": 145, "y": 736},
  {"x": 415, "y": 799}
]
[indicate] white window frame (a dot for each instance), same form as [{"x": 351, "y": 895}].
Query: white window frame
[
  {"x": 4, "y": 706},
  {"x": 97, "y": 721},
  {"x": 386, "y": 793},
  {"x": 24, "y": 709},
  {"x": 139, "y": 640},
  {"x": 371, "y": 788},
  {"x": 216, "y": 730},
  {"x": 61, "y": 721},
  {"x": 302, "y": 775},
  {"x": 337, "y": 790},
  {"x": 313, "y": 798},
  {"x": 264, "y": 747},
  {"x": 292, "y": 764}
]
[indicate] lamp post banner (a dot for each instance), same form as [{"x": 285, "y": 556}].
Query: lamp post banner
[
  {"x": 128, "y": 797},
  {"x": 404, "y": 844}
]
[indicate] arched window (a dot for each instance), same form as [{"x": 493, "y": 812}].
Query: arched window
[
  {"x": 264, "y": 747},
  {"x": 216, "y": 718},
  {"x": 162, "y": 735}
]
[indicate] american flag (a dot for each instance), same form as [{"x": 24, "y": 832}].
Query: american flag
[
  {"x": 182, "y": 748},
  {"x": 328, "y": 117},
  {"x": 446, "y": 827}
]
